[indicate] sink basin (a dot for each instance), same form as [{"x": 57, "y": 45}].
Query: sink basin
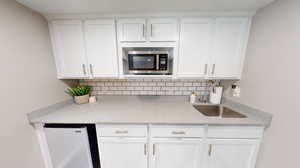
[{"x": 218, "y": 111}]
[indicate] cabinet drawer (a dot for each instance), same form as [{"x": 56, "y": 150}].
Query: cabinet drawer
[
  {"x": 177, "y": 131},
  {"x": 121, "y": 130},
  {"x": 234, "y": 132}
]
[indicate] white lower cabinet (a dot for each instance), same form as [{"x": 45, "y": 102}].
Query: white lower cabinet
[
  {"x": 123, "y": 153},
  {"x": 232, "y": 153},
  {"x": 176, "y": 153},
  {"x": 178, "y": 146}
]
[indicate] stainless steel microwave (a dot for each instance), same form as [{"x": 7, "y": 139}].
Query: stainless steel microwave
[{"x": 149, "y": 62}]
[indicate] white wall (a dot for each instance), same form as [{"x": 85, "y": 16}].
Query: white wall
[
  {"x": 271, "y": 80},
  {"x": 28, "y": 82}
]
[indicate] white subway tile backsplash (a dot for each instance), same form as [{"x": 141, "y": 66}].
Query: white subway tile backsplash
[
  {"x": 170, "y": 84},
  {"x": 126, "y": 92},
  {"x": 138, "y": 88},
  {"x": 108, "y": 84},
  {"x": 178, "y": 84},
  {"x": 178, "y": 93},
  {"x": 148, "y": 88},
  {"x": 130, "y": 88},
  {"x": 187, "y": 92},
  {"x": 169, "y": 93},
  {"x": 168, "y": 87},
  {"x": 143, "y": 84},
  {"x": 156, "y": 88},
  {"x": 197, "y": 84},
  {"x": 134, "y": 84},
  {"x": 161, "y": 84},
  {"x": 99, "y": 83},
  {"x": 151, "y": 84},
  {"x": 191, "y": 88},
  {"x": 188, "y": 84}
]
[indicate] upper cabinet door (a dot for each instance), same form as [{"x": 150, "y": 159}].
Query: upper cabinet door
[
  {"x": 230, "y": 153},
  {"x": 101, "y": 48},
  {"x": 185, "y": 153},
  {"x": 195, "y": 46},
  {"x": 132, "y": 30},
  {"x": 162, "y": 29},
  {"x": 68, "y": 44},
  {"x": 229, "y": 47}
]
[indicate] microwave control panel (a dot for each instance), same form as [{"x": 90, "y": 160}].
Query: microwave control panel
[{"x": 163, "y": 62}]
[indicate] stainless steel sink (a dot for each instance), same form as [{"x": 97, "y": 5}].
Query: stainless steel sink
[{"x": 218, "y": 111}]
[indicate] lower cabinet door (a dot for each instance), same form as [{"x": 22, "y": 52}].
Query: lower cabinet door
[
  {"x": 229, "y": 153},
  {"x": 177, "y": 153},
  {"x": 123, "y": 153}
]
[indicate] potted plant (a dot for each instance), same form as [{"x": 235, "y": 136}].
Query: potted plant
[{"x": 80, "y": 93}]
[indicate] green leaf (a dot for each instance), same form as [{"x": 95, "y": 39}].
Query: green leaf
[{"x": 79, "y": 90}]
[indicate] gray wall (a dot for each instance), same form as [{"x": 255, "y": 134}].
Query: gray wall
[
  {"x": 270, "y": 80},
  {"x": 28, "y": 82}
]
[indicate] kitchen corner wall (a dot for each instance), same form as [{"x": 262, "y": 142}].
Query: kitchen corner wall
[
  {"x": 271, "y": 80},
  {"x": 167, "y": 87},
  {"x": 28, "y": 82}
]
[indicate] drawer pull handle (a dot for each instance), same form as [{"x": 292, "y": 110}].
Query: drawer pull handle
[
  {"x": 178, "y": 132},
  {"x": 213, "y": 70},
  {"x": 153, "y": 152},
  {"x": 210, "y": 150},
  {"x": 145, "y": 149},
  {"x": 121, "y": 132}
]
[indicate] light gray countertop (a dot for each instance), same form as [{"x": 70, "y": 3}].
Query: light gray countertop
[{"x": 143, "y": 110}]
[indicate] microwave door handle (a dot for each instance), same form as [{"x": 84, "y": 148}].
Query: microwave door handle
[{"x": 157, "y": 62}]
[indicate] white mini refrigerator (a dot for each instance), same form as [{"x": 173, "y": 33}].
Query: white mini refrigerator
[{"x": 69, "y": 147}]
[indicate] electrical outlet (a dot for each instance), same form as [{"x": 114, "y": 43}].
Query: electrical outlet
[{"x": 236, "y": 92}]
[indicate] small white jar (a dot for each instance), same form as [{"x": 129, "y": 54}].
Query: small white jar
[
  {"x": 193, "y": 97},
  {"x": 92, "y": 99}
]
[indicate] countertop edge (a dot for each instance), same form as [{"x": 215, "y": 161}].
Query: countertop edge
[
  {"x": 47, "y": 110},
  {"x": 263, "y": 118},
  {"x": 258, "y": 114}
]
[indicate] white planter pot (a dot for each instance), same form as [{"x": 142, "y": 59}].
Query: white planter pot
[{"x": 81, "y": 99}]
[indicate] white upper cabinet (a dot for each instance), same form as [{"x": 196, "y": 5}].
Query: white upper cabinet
[
  {"x": 101, "y": 48},
  {"x": 132, "y": 30},
  {"x": 229, "y": 47},
  {"x": 153, "y": 30},
  {"x": 172, "y": 153},
  {"x": 195, "y": 46},
  {"x": 68, "y": 44},
  {"x": 232, "y": 153},
  {"x": 213, "y": 48},
  {"x": 85, "y": 51},
  {"x": 208, "y": 47},
  {"x": 162, "y": 29}
]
